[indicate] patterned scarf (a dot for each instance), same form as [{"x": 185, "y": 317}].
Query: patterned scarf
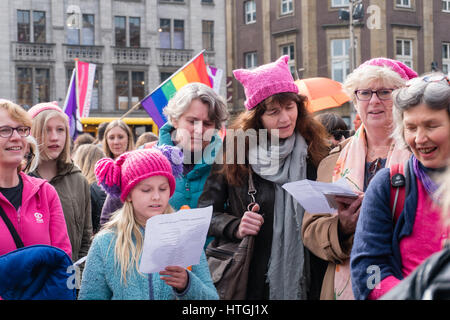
[{"x": 351, "y": 166}]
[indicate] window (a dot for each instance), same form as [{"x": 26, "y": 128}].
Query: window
[
  {"x": 446, "y": 6},
  {"x": 339, "y": 3},
  {"x": 207, "y": 1},
  {"x": 403, "y": 3},
  {"x": 446, "y": 58},
  {"x": 208, "y": 35},
  {"x": 120, "y": 31},
  {"x": 404, "y": 52},
  {"x": 127, "y": 37},
  {"x": 289, "y": 50},
  {"x": 178, "y": 34},
  {"x": 31, "y": 32},
  {"x": 33, "y": 86},
  {"x": 251, "y": 60},
  {"x": 23, "y": 26},
  {"x": 130, "y": 88},
  {"x": 250, "y": 11},
  {"x": 340, "y": 59},
  {"x": 85, "y": 36},
  {"x": 166, "y": 36},
  {"x": 135, "y": 32},
  {"x": 287, "y": 7}
]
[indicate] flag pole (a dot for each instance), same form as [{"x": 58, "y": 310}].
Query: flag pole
[{"x": 168, "y": 79}]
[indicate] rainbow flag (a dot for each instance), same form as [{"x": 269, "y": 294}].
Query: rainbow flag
[{"x": 193, "y": 71}]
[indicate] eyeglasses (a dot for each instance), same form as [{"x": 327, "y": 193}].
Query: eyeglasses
[
  {"x": 7, "y": 131},
  {"x": 366, "y": 94},
  {"x": 338, "y": 134},
  {"x": 437, "y": 78}
]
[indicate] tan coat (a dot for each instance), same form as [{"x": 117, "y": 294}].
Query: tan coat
[{"x": 320, "y": 231}]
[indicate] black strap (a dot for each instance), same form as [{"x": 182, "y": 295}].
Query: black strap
[
  {"x": 251, "y": 189},
  {"x": 15, "y": 235}
]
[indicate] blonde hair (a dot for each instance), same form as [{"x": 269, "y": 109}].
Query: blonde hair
[
  {"x": 31, "y": 165},
  {"x": 39, "y": 131},
  {"x": 85, "y": 157},
  {"x": 126, "y": 128},
  {"x": 363, "y": 76},
  {"x": 129, "y": 239},
  {"x": 16, "y": 112}
]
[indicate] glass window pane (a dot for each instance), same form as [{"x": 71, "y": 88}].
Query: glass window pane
[
  {"x": 399, "y": 47},
  {"x": 24, "y": 85},
  {"x": 23, "y": 26},
  {"x": 208, "y": 35},
  {"x": 178, "y": 34},
  {"x": 73, "y": 36},
  {"x": 120, "y": 32},
  {"x": 407, "y": 48},
  {"x": 42, "y": 79},
  {"x": 39, "y": 26},
  {"x": 337, "y": 48},
  {"x": 122, "y": 91},
  {"x": 88, "y": 30},
  {"x": 135, "y": 32},
  {"x": 138, "y": 87},
  {"x": 164, "y": 34}
]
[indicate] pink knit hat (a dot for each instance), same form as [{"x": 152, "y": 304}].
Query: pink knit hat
[
  {"x": 38, "y": 108},
  {"x": 119, "y": 177},
  {"x": 265, "y": 81},
  {"x": 402, "y": 69}
]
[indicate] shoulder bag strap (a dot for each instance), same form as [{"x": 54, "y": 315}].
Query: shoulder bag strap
[
  {"x": 15, "y": 235},
  {"x": 251, "y": 189}
]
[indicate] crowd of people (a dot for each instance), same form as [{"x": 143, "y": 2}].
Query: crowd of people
[{"x": 90, "y": 198}]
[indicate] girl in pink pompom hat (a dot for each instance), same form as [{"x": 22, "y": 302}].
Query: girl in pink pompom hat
[{"x": 145, "y": 180}]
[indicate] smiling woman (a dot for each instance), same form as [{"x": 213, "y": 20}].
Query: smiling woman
[{"x": 422, "y": 117}]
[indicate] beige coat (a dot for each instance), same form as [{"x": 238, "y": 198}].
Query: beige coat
[{"x": 320, "y": 231}]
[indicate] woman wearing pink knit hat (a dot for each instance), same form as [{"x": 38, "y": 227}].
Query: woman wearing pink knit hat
[
  {"x": 144, "y": 180},
  {"x": 357, "y": 159},
  {"x": 290, "y": 146}
]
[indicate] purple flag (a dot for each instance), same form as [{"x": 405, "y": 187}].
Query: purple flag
[{"x": 70, "y": 106}]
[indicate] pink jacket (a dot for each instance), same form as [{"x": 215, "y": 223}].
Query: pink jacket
[{"x": 40, "y": 219}]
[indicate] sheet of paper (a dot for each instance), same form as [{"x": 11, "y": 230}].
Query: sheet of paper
[
  {"x": 317, "y": 197},
  {"x": 175, "y": 239}
]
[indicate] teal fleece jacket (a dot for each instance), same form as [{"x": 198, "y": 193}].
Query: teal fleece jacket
[
  {"x": 101, "y": 278},
  {"x": 190, "y": 186}
]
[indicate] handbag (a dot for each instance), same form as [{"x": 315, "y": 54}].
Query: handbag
[
  {"x": 14, "y": 234},
  {"x": 229, "y": 262}
]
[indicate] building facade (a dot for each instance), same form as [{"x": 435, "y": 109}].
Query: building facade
[
  {"x": 318, "y": 42},
  {"x": 135, "y": 44}
]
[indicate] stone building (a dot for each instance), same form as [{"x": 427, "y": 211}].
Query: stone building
[{"x": 135, "y": 44}]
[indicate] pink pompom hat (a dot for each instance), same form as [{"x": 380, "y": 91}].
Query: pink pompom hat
[
  {"x": 265, "y": 81},
  {"x": 38, "y": 108},
  {"x": 119, "y": 177}
]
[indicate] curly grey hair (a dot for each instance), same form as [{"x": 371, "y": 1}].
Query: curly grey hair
[
  {"x": 435, "y": 94},
  {"x": 183, "y": 98}
]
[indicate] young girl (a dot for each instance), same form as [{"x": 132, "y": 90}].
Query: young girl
[
  {"x": 144, "y": 180},
  {"x": 50, "y": 127}
]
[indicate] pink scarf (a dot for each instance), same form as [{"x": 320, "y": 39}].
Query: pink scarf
[{"x": 351, "y": 165}]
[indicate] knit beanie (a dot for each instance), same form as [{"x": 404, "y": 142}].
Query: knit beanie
[
  {"x": 265, "y": 81},
  {"x": 119, "y": 177},
  {"x": 38, "y": 108},
  {"x": 402, "y": 69}
]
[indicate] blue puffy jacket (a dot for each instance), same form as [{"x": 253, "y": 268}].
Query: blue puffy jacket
[{"x": 38, "y": 272}]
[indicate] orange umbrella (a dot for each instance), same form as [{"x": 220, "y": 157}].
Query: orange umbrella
[{"x": 322, "y": 93}]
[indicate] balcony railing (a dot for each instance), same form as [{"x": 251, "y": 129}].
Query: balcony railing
[
  {"x": 27, "y": 51},
  {"x": 128, "y": 55},
  {"x": 173, "y": 57},
  {"x": 85, "y": 53}
]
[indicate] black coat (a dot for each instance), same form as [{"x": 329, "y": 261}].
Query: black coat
[{"x": 229, "y": 204}]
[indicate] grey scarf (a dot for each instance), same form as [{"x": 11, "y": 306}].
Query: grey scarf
[{"x": 282, "y": 163}]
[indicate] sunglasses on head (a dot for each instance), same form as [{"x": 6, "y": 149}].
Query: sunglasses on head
[{"x": 437, "y": 78}]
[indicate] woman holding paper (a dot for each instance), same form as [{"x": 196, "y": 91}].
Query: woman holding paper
[
  {"x": 144, "y": 180},
  {"x": 280, "y": 143},
  {"x": 357, "y": 159},
  {"x": 397, "y": 243}
]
